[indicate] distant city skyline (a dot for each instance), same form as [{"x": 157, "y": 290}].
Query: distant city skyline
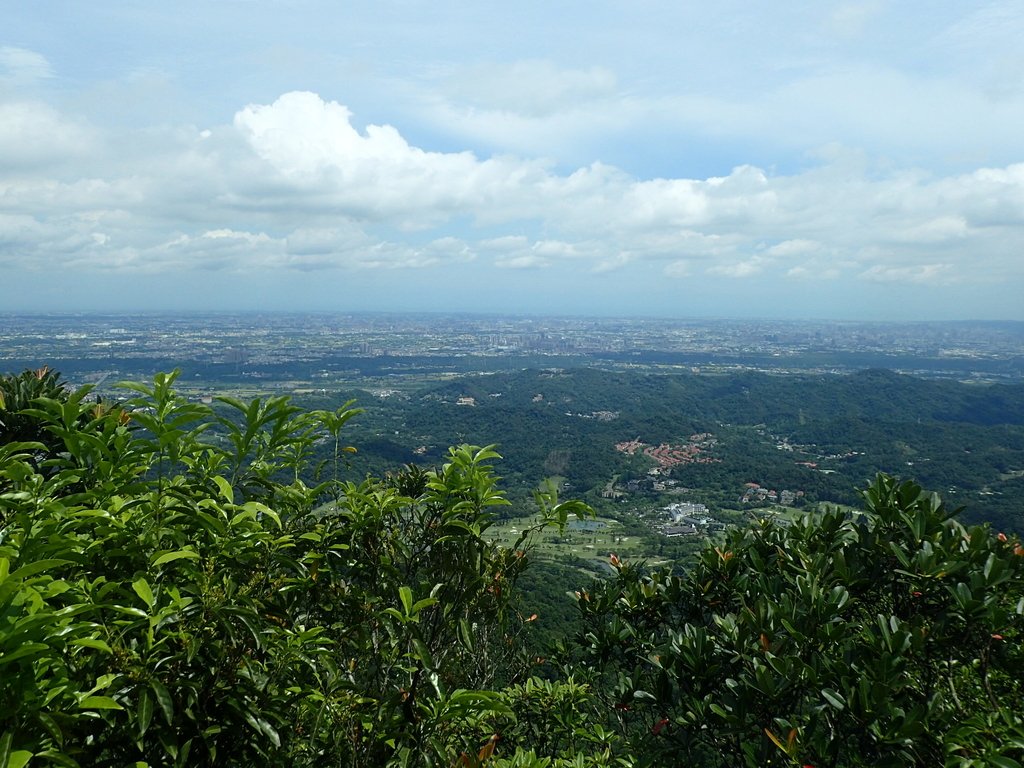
[{"x": 857, "y": 160}]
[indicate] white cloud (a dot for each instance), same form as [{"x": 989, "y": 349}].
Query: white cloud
[
  {"x": 923, "y": 273},
  {"x": 747, "y": 268},
  {"x": 325, "y": 241},
  {"x": 613, "y": 260},
  {"x": 16, "y": 232},
  {"x": 559, "y": 249},
  {"x": 814, "y": 272},
  {"x": 20, "y": 66},
  {"x": 33, "y": 134},
  {"x": 524, "y": 261},
  {"x": 528, "y": 107},
  {"x": 937, "y": 230},
  {"x": 310, "y": 142},
  {"x": 294, "y": 185},
  {"x": 797, "y": 247},
  {"x": 809, "y": 146}
]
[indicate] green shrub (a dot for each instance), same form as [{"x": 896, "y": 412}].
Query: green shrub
[{"x": 174, "y": 591}]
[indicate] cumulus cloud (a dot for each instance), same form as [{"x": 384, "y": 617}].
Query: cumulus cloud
[
  {"x": 514, "y": 252},
  {"x": 295, "y": 185},
  {"x": 746, "y": 268},
  {"x": 34, "y": 134},
  {"x": 312, "y": 142}
]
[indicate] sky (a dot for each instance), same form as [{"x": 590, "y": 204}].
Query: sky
[{"x": 846, "y": 160}]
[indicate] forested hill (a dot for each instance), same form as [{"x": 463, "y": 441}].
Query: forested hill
[
  {"x": 966, "y": 439},
  {"x": 754, "y": 397}
]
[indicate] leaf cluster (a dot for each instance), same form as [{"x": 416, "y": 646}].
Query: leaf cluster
[
  {"x": 889, "y": 637},
  {"x": 180, "y": 586}
]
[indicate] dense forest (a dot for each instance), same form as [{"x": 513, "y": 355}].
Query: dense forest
[
  {"x": 964, "y": 439},
  {"x": 191, "y": 585}
]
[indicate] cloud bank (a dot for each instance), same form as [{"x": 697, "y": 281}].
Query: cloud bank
[{"x": 293, "y": 184}]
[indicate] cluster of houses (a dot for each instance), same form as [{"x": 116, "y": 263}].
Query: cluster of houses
[
  {"x": 668, "y": 456},
  {"x": 753, "y": 493}
]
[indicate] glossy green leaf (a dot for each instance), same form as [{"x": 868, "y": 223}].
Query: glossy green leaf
[
  {"x": 144, "y": 712},
  {"x": 226, "y": 491},
  {"x": 99, "y": 702},
  {"x": 143, "y": 590},
  {"x": 163, "y": 699},
  {"x": 170, "y": 557},
  {"x": 833, "y": 698},
  {"x": 92, "y": 642},
  {"x": 405, "y": 593}
]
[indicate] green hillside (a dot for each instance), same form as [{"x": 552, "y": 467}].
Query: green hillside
[{"x": 965, "y": 439}]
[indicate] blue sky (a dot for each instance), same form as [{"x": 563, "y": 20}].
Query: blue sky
[{"x": 793, "y": 159}]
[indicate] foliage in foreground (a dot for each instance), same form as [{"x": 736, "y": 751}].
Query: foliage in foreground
[
  {"x": 180, "y": 586},
  {"x": 173, "y": 597},
  {"x": 890, "y": 637}
]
